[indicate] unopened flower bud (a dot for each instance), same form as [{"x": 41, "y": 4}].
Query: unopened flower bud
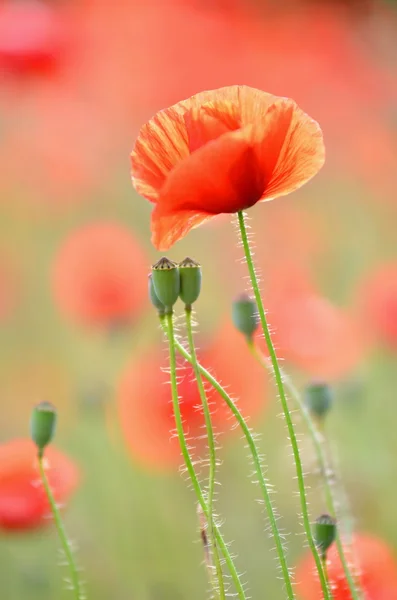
[
  {"x": 43, "y": 424},
  {"x": 166, "y": 282},
  {"x": 318, "y": 398},
  {"x": 324, "y": 533},
  {"x": 245, "y": 315},
  {"x": 190, "y": 275},
  {"x": 154, "y": 298}
]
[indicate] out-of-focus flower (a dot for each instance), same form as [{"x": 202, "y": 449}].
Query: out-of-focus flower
[
  {"x": 32, "y": 36},
  {"x": 308, "y": 330},
  {"x": 145, "y": 407},
  {"x": 378, "y": 304},
  {"x": 220, "y": 152},
  {"x": 375, "y": 563},
  {"x": 100, "y": 275},
  {"x": 23, "y": 502}
]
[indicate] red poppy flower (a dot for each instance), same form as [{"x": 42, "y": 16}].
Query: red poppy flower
[
  {"x": 100, "y": 275},
  {"x": 23, "y": 503},
  {"x": 32, "y": 35},
  {"x": 145, "y": 404},
  {"x": 220, "y": 152},
  {"x": 378, "y": 303},
  {"x": 308, "y": 330},
  {"x": 376, "y": 565}
]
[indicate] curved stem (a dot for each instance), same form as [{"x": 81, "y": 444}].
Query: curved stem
[
  {"x": 284, "y": 404},
  {"x": 74, "y": 575},
  {"x": 257, "y": 464},
  {"x": 321, "y": 461},
  {"x": 211, "y": 448},
  {"x": 188, "y": 461}
]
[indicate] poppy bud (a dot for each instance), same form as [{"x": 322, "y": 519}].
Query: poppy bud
[
  {"x": 190, "y": 274},
  {"x": 154, "y": 298},
  {"x": 245, "y": 315},
  {"x": 42, "y": 424},
  {"x": 318, "y": 399},
  {"x": 324, "y": 533},
  {"x": 166, "y": 282}
]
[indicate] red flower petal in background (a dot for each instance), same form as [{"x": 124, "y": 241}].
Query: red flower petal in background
[
  {"x": 220, "y": 152},
  {"x": 23, "y": 503},
  {"x": 308, "y": 330},
  {"x": 145, "y": 407},
  {"x": 378, "y": 304},
  {"x": 32, "y": 36},
  {"x": 377, "y": 567},
  {"x": 100, "y": 275}
]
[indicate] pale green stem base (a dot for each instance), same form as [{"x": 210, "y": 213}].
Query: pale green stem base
[
  {"x": 169, "y": 329},
  {"x": 212, "y": 454},
  {"x": 284, "y": 404},
  {"x": 74, "y": 575}
]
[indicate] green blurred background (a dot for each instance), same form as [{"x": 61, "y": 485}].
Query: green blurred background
[{"x": 67, "y": 128}]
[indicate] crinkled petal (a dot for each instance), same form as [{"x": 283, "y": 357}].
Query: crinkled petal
[{"x": 168, "y": 228}]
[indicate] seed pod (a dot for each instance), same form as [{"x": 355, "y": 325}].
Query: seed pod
[
  {"x": 166, "y": 282},
  {"x": 154, "y": 299},
  {"x": 245, "y": 315},
  {"x": 190, "y": 281},
  {"x": 42, "y": 424},
  {"x": 318, "y": 398},
  {"x": 324, "y": 533}
]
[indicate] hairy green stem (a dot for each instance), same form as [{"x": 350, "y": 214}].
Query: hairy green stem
[
  {"x": 284, "y": 404},
  {"x": 257, "y": 464},
  {"x": 211, "y": 449},
  {"x": 169, "y": 328},
  {"x": 322, "y": 462},
  {"x": 74, "y": 574}
]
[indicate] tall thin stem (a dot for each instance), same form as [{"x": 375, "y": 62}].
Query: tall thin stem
[
  {"x": 188, "y": 461},
  {"x": 74, "y": 574},
  {"x": 284, "y": 404},
  {"x": 322, "y": 462},
  {"x": 211, "y": 450},
  {"x": 257, "y": 464}
]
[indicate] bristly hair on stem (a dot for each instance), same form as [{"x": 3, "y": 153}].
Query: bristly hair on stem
[
  {"x": 323, "y": 463},
  {"x": 66, "y": 545},
  {"x": 168, "y": 326},
  {"x": 257, "y": 465},
  {"x": 212, "y": 454},
  {"x": 284, "y": 404}
]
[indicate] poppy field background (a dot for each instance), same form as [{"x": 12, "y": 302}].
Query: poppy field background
[{"x": 76, "y": 327}]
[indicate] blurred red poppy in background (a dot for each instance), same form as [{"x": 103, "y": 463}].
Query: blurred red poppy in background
[
  {"x": 145, "y": 404},
  {"x": 309, "y": 331},
  {"x": 32, "y": 36},
  {"x": 376, "y": 565},
  {"x": 23, "y": 503},
  {"x": 100, "y": 275},
  {"x": 220, "y": 152},
  {"x": 378, "y": 304}
]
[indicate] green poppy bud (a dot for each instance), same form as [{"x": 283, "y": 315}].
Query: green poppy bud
[
  {"x": 190, "y": 274},
  {"x": 318, "y": 398},
  {"x": 245, "y": 315},
  {"x": 166, "y": 282},
  {"x": 154, "y": 299},
  {"x": 324, "y": 533},
  {"x": 42, "y": 424}
]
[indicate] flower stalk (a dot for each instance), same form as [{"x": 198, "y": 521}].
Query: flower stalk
[
  {"x": 284, "y": 404},
  {"x": 168, "y": 326}
]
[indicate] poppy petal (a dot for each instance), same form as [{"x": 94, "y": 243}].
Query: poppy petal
[
  {"x": 297, "y": 149},
  {"x": 168, "y": 228},
  {"x": 162, "y": 143}
]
